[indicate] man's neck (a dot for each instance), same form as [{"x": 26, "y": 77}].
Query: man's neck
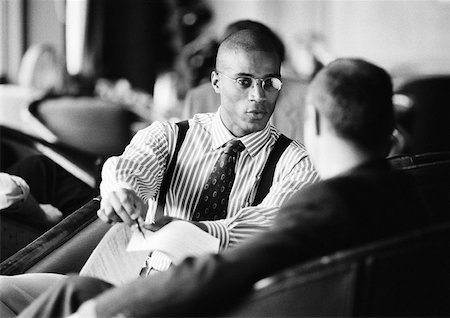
[{"x": 339, "y": 157}]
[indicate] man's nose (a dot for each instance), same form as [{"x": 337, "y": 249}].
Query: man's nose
[{"x": 257, "y": 91}]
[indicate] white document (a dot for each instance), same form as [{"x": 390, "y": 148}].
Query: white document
[
  {"x": 111, "y": 262},
  {"x": 177, "y": 239}
]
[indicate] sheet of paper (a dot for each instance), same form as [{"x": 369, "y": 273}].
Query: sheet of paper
[
  {"x": 178, "y": 239},
  {"x": 111, "y": 262}
]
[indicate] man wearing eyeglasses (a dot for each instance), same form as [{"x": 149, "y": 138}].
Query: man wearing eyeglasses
[
  {"x": 288, "y": 116},
  {"x": 247, "y": 78}
]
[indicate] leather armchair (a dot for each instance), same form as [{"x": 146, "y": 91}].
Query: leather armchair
[
  {"x": 403, "y": 276},
  {"x": 87, "y": 124}
]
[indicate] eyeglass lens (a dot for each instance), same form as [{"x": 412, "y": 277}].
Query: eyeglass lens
[{"x": 269, "y": 84}]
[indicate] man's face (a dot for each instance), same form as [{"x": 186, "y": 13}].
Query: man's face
[{"x": 245, "y": 106}]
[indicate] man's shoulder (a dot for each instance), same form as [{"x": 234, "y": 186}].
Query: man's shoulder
[
  {"x": 294, "y": 145},
  {"x": 202, "y": 119},
  {"x": 200, "y": 124},
  {"x": 197, "y": 120},
  {"x": 365, "y": 186}
]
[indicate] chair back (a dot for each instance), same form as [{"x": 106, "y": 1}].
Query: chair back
[
  {"x": 312, "y": 289},
  {"x": 403, "y": 276},
  {"x": 425, "y": 122},
  {"x": 431, "y": 174},
  {"x": 87, "y": 124},
  {"x": 408, "y": 277}
]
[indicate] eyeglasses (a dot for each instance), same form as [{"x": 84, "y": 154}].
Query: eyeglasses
[{"x": 269, "y": 84}]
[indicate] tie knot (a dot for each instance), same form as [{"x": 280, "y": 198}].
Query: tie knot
[{"x": 234, "y": 145}]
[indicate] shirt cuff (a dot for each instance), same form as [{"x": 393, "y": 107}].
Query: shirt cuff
[{"x": 159, "y": 261}]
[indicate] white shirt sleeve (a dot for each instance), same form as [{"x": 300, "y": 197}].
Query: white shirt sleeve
[{"x": 13, "y": 189}]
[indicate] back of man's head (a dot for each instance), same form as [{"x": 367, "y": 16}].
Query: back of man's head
[
  {"x": 247, "y": 40},
  {"x": 355, "y": 97}
]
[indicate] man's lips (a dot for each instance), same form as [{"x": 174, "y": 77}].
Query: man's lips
[
  {"x": 256, "y": 114},
  {"x": 256, "y": 111}
]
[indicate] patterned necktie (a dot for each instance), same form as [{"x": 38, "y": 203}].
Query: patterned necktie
[{"x": 213, "y": 202}]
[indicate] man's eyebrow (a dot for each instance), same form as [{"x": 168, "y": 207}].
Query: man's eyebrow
[{"x": 265, "y": 76}]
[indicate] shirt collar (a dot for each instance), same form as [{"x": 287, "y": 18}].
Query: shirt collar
[{"x": 253, "y": 142}]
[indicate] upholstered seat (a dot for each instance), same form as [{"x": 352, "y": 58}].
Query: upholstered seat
[
  {"x": 403, "y": 276},
  {"x": 63, "y": 249},
  {"x": 15, "y": 146},
  {"x": 87, "y": 124}
]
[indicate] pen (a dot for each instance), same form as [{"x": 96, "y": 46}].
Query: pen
[
  {"x": 140, "y": 228},
  {"x": 138, "y": 224}
]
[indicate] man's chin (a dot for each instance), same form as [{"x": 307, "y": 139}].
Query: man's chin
[{"x": 255, "y": 125}]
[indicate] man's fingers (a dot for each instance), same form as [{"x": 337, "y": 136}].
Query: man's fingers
[
  {"x": 102, "y": 216},
  {"x": 139, "y": 209},
  {"x": 122, "y": 205},
  {"x": 127, "y": 200},
  {"x": 107, "y": 212},
  {"x": 118, "y": 208}
]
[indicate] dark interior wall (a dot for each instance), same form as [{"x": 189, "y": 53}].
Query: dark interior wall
[
  {"x": 141, "y": 38},
  {"x": 138, "y": 40}
]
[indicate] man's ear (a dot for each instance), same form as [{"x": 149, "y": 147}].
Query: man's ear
[{"x": 215, "y": 81}]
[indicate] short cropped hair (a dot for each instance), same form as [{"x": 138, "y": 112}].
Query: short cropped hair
[
  {"x": 255, "y": 25},
  {"x": 248, "y": 40},
  {"x": 356, "y": 98}
]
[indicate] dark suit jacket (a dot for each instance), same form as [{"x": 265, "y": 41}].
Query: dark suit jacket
[{"x": 366, "y": 204}]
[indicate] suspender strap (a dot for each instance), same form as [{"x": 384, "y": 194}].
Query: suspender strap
[
  {"x": 183, "y": 127},
  {"x": 266, "y": 177},
  {"x": 269, "y": 169}
]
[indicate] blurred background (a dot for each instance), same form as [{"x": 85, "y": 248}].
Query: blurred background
[
  {"x": 139, "y": 39},
  {"x": 87, "y": 74}
]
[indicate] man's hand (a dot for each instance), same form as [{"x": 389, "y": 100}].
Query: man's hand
[
  {"x": 122, "y": 205},
  {"x": 158, "y": 224}
]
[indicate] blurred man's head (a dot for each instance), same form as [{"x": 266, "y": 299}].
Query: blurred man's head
[
  {"x": 247, "y": 77},
  {"x": 351, "y": 100}
]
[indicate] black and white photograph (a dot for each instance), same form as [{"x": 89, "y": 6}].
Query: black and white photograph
[{"x": 224, "y": 158}]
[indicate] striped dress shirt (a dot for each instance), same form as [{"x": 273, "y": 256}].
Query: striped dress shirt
[{"x": 142, "y": 166}]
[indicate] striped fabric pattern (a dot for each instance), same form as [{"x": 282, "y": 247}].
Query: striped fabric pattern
[{"x": 144, "y": 161}]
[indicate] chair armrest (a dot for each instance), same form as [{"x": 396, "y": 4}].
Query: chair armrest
[{"x": 62, "y": 249}]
